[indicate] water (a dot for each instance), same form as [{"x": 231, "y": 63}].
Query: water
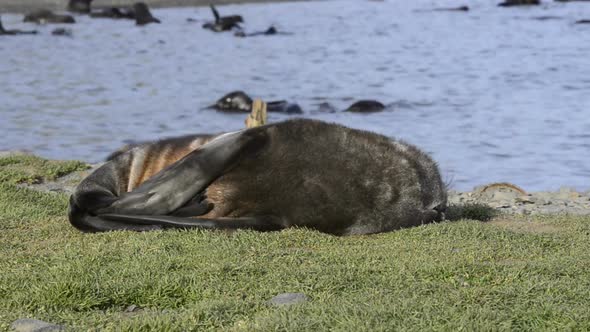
[{"x": 492, "y": 94}]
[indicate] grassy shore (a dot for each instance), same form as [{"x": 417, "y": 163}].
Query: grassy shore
[
  {"x": 512, "y": 273},
  {"x": 21, "y": 6}
]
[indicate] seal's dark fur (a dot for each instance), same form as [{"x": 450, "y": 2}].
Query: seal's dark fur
[{"x": 297, "y": 173}]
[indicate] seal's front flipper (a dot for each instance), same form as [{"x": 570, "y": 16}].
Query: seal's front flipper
[
  {"x": 180, "y": 182},
  {"x": 197, "y": 206},
  {"x": 215, "y": 13},
  {"x": 140, "y": 222}
]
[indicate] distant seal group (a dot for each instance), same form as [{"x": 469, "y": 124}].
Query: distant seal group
[{"x": 240, "y": 102}]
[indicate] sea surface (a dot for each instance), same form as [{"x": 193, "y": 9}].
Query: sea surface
[{"x": 493, "y": 94}]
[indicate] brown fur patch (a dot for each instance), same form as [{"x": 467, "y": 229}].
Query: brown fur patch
[{"x": 153, "y": 160}]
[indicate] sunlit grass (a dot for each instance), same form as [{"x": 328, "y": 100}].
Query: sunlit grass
[{"x": 512, "y": 273}]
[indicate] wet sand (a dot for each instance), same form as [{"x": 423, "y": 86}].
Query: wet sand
[{"x": 21, "y": 6}]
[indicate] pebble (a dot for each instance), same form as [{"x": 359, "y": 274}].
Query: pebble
[{"x": 288, "y": 299}]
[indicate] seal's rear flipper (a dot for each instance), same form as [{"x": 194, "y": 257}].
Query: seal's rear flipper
[
  {"x": 215, "y": 13},
  {"x": 168, "y": 192},
  {"x": 178, "y": 183},
  {"x": 141, "y": 222}
]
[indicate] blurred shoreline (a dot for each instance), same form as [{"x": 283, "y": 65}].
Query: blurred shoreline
[{"x": 21, "y": 6}]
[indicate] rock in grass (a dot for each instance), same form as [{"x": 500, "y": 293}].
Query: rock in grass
[
  {"x": 132, "y": 308},
  {"x": 288, "y": 299},
  {"x": 34, "y": 325}
]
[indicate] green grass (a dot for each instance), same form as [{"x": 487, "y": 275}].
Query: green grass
[
  {"x": 512, "y": 273},
  {"x": 31, "y": 169},
  {"x": 475, "y": 211}
]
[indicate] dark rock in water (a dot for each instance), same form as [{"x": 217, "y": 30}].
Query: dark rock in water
[
  {"x": 288, "y": 299},
  {"x": 62, "y": 32},
  {"x": 223, "y": 23},
  {"x": 79, "y": 6},
  {"x": 114, "y": 13},
  {"x": 583, "y": 22},
  {"x": 326, "y": 107},
  {"x": 510, "y": 3},
  {"x": 43, "y": 16},
  {"x": 35, "y": 325},
  {"x": 547, "y": 18},
  {"x": 240, "y": 102},
  {"x": 143, "y": 15},
  {"x": 453, "y": 9},
  {"x": 365, "y": 106},
  {"x": 268, "y": 32},
  {"x": 282, "y": 106},
  {"x": 4, "y": 32}
]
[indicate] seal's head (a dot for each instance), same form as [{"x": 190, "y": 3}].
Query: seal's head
[{"x": 236, "y": 101}]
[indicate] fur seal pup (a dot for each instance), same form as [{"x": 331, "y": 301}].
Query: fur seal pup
[
  {"x": 143, "y": 15},
  {"x": 365, "y": 106},
  {"x": 240, "y": 102},
  {"x": 511, "y": 3},
  {"x": 223, "y": 23},
  {"x": 297, "y": 173},
  {"x": 43, "y": 16},
  {"x": 4, "y": 32},
  {"x": 79, "y": 6}
]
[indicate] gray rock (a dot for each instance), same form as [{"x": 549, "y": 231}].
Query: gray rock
[
  {"x": 511, "y": 199},
  {"x": 288, "y": 299},
  {"x": 35, "y": 325},
  {"x": 566, "y": 193},
  {"x": 504, "y": 195},
  {"x": 65, "y": 184},
  {"x": 529, "y": 199},
  {"x": 132, "y": 308}
]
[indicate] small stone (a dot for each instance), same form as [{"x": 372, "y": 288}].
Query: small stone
[
  {"x": 34, "y": 325},
  {"x": 504, "y": 195},
  {"x": 500, "y": 205},
  {"x": 525, "y": 200},
  {"x": 132, "y": 308},
  {"x": 288, "y": 299}
]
